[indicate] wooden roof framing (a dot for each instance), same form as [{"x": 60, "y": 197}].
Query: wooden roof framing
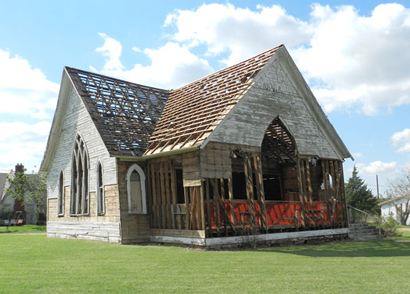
[
  {"x": 278, "y": 143},
  {"x": 124, "y": 113},
  {"x": 193, "y": 111}
]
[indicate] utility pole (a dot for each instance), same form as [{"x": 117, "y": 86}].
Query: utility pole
[{"x": 377, "y": 186}]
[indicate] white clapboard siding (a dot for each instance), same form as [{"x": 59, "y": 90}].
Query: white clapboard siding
[
  {"x": 273, "y": 94},
  {"x": 76, "y": 120}
]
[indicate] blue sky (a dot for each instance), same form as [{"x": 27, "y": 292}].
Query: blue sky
[{"x": 355, "y": 56}]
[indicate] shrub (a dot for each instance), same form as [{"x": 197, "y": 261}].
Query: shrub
[{"x": 389, "y": 226}]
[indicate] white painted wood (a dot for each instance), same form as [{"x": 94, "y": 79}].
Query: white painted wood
[
  {"x": 178, "y": 240},
  {"x": 101, "y": 231},
  {"x": 276, "y": 93},
  {"x": 71, "y": 119},
  {"x": 388, "y": 208},
  {"x": 212, "y": 242}
]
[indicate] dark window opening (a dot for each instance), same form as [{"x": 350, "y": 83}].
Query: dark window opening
[
  {"x": 239, "y": 185},
  {"x": 61, "y": 195},
  {"x": 180, "y": 186},
  {"x": 217, "y": 187},
  {"x": 272, "y": 186},
  {"x": 100, "y": 191},
  {"x": 316, "y": 179},
  {"x": 225, "y": 188}
]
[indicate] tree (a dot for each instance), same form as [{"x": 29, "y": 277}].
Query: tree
[
  {"x": 401, "y": 190},
  {"x": 358, "y": 195},
  {"x": 18, "y": 187},
  {"x": 28, "y": 189},
  {"x": 37, "y": 194}
]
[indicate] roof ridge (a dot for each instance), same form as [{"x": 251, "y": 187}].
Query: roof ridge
[
  {"x": 272, "y": 50},
  {"x": 69, "y": 69},
  {"x": 192, "y": 111}
]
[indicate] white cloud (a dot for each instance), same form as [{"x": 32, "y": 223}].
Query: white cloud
[
  {"x": 22, "y": 142},
  {"x": 25, "y": 90},
  {"x": 27, "y": 100},
  {"x": 401, "y": 136},
  {"x": 358, "y": 60},
  {"x": 376, "y": 167},
  {"x": 171, "y": 65},
  {"x": 352, "y": 61},
  {"x": 111, "y": 50},
  {"x": 401, "y": 140},
  {"x": 405, "y": 148},
  {"x": 240, "y": 32}
]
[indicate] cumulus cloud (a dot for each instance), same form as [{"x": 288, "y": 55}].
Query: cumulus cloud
[
  {"x": 401, "y": 140},
  {"x": 237, "y": 32},
  {"x": 29, "y": 98},
  {"x": 22, "y": 142},
  {"x": 351, "y": 61},
  {"x": 111, "y": 50},
  {"x": 358, "y": 60},
  {"x": 25, "y": 90},
  {"x": 171, "y": 65},
  {"x": 376, "y": 167}
]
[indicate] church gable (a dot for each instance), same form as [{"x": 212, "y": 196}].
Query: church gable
[
  {"x": 72, "y": 120},
  {"x": 124, "y": 113},
  {"x": 275, "y": 93}
]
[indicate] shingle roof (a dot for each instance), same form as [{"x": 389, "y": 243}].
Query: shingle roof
[
  {"x": 124, "y": 113},
  {"x": 194, "y": 110}
]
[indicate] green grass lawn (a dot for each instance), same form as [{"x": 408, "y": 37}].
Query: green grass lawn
[
  {"x": 37, "y": 264},
  {"x": 23, "y": 229}
]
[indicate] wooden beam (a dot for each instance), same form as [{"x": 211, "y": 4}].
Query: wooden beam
[
  {"x": 208, "y": 209},
  {"x": 301, "y": 197},
  {"x": 309, "y": 182},
  {"x": 230, "y": 195},
  {"x": 249, "y": 189},
  {"x": 174, "y": 193},
  {"x": 257, "y": 162},
  {"x": 163, "y": 195},
  {"x": 216, "y": 206},
  {"x": 188, "y": 208},
  {"x": 202, "y": 208}
]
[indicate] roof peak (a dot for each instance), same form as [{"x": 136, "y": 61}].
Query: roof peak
[
  {"x": 270, "y": 51},
  {"x": 77, "y": 70}
]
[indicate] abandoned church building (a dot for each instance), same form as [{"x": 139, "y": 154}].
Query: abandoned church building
[{"x": 242, "y": 154}]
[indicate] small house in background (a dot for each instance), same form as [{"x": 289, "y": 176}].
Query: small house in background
[
  {"x": 395, "y": 207},
  {"x": 6, "y": 203},
  {"x": 243, "y": 154},
  {"x": 10, "y": 209}
]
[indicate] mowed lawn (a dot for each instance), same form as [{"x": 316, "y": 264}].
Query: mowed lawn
[{"x": 37, "y": 264}]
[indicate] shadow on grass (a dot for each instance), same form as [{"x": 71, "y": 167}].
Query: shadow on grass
[{"x": 388, "y": 248}]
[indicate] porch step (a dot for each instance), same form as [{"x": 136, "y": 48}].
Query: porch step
[{"x": 363, "y": 232}]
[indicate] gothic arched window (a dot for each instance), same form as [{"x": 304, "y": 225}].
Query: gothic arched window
[
  {"x": 79, "y": 179},
  {"x": 137, "y": 202}
]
